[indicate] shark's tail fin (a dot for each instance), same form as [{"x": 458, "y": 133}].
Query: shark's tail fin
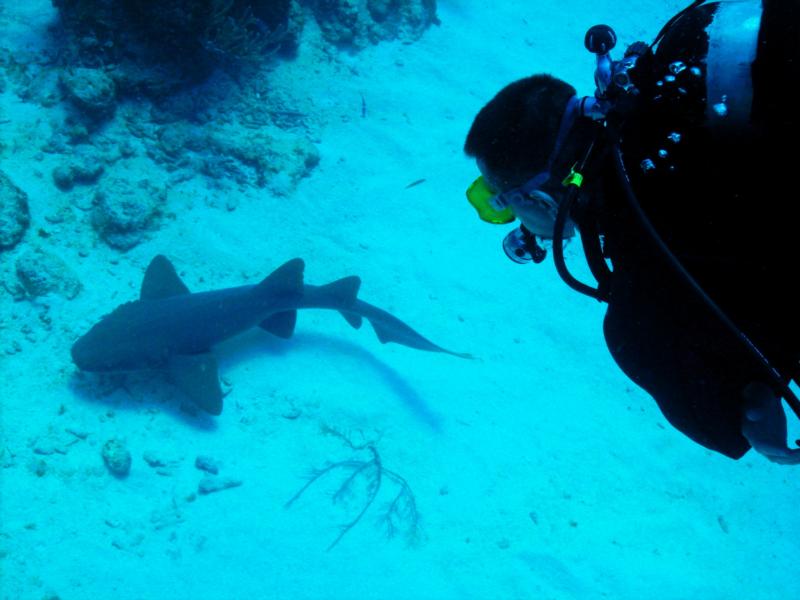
[
  {"x": 389, "y": 328},
  {"x": 402, "y": 334}
]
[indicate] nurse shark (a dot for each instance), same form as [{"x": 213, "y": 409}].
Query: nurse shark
[{"x": 170, "y": 328}]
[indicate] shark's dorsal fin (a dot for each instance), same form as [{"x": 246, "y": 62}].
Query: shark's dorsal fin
[
  {"x": 288, "y": 278},
  {"x": 161, "y": 280},
  {"x": 281, "y": 324},
  {"x": 196, "y": 375}
]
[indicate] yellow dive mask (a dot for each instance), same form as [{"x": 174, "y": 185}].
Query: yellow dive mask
[{"x": 480, "y": 196}]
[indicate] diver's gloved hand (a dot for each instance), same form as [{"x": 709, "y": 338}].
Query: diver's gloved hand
[{"x": 764, "y": 425}]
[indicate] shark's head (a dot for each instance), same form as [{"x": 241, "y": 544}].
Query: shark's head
[
  {"x": 110, "y": 345},
  {"x": 89, "y": 353}
]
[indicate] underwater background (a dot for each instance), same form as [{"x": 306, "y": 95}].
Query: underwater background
[{"x": 232, "y": 136}]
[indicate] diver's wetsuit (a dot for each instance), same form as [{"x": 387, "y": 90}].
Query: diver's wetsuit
[{"x": 721, "y": 200}]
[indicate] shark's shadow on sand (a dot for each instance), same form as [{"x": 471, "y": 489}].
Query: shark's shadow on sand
[
  {"x": 171, "y": 330},
  {"x": 392, "y": 378}
]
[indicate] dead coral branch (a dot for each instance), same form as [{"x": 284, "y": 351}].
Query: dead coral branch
[{"x": 399, "y": 516}]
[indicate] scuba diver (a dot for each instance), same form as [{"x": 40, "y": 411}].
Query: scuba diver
[{"x": 676, "y": 175}]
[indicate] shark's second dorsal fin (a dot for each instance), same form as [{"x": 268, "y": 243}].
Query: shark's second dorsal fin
[
  {"x": 161, "y": 280},
  {"x": 343, "y": 291},
  {"x": 286, "y": 279}
]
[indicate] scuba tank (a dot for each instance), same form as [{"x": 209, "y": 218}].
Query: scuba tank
[{"x": 678, "y": 115}]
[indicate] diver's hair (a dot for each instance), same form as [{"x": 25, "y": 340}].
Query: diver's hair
[{"x": 515, "y": 132}]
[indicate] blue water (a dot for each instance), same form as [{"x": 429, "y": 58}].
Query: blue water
[{"x": 535, "y": 471}]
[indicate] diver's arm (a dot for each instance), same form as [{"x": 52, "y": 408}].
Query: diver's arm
[{"x": 764, "y": 425}]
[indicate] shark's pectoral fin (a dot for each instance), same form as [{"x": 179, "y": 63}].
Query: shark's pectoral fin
[
  {"x": 281, "y": 324},
  {"x": 354, "y": 319},
  {"x": 196, "y": 375},
  {"x": 161, "y": 280}
]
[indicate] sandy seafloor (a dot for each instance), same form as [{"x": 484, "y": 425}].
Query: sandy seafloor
[{"x": 538, "y": 470}]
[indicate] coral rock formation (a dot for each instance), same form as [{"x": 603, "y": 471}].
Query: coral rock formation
[
  {"x": 358, "y": 23},
  {"x": 42, "y": 272},
  {"x": 124, "y": 211},
  {"x": 91, "y": 91},
  {"x": 14, "y": 214}
]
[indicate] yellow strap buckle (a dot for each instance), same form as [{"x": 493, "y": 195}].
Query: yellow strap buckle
[{"x": 573, "y": 178}]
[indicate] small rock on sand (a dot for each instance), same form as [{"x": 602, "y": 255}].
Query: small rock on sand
[
  {"x": 207, "y": 464},
  {"x": 212, "y": 483},
  {"x": 117, "y": 458}
]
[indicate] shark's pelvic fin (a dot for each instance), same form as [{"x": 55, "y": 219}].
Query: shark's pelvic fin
[
  {"x": 281, "y": 324},
  {"x": 286, "y": 279},
  {"x": 354, "y": 319},
  {"x": 383, "y": 333},
  {"x": 161, "y": 280},
  {"x": 196, "y": 375}
]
